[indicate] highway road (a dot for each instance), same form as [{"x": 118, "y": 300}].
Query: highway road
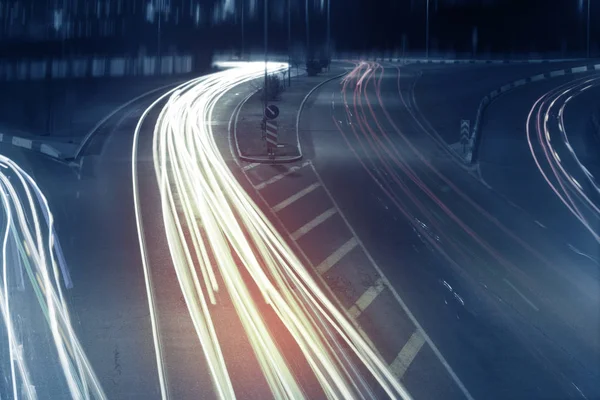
[
  {"x": 501, "y": 303},
  {"x": 190, "y": 274}
]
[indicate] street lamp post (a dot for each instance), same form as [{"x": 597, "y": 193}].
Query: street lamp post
[
  {"x": 266, "y": 32},
  {"x": 588, "y": 28},
  {"x": 289, "y": 24},
  {"x": 243, "y": 33},
  {"x": 307, "y": 33},
  {"x": 427, "y": 31},
  {"x": 328, "y": 33}
]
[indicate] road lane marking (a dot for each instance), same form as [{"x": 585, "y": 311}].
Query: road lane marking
[
  {"x": 250, "y": 166},
  {"x": 559, "y": 72},
  {"x": 521, "y": 295},
  {"x": 276, "y": 178},
  {"x": 313, "y": 224},
  {"x": 336, "y": 256},
  {"x": 295, "y": 197},
  {"x": 408, "y": 354},
  {"x": 401, "y": 302},
  {"x": 366, "y": 298}
]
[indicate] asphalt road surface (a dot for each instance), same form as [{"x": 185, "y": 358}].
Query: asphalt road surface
[
  {"x": 508, "y": 308},
  {"x": 462, "y": 294}
]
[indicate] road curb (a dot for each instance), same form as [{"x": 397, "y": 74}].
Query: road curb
[
  {"x": 290, "y": 159},
  {"x": 39, "y": 146},
  {"x": 305, "y": 99},
  {"x": 476, "y": 134}
]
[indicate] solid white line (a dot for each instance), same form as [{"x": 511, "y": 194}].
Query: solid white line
[
  {"x": 250, "y": 166},
  {"x": 313, "y": 224},
  {"x": 403, "y": 305},
  {"x": 336, "y": 256},
  {"x": 521, "y": 295},
  {"x": 366, "y": 298},
  {"x": 407, "y": 354},
  {"x": 295, "y": 197}
]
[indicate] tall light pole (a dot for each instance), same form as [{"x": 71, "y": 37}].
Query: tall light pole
[
  {"x": 266, "y": 32},
  {"x": 328, "y": 33},
  {"x": 307, "y": 33},
  {"x": 588, "y": 28},
  {"x": 427, "y": 31},
  {"x": 243, "y": 38},
  {"x": 289, "y": 23}
]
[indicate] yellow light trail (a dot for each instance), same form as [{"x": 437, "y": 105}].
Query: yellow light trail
[
  {"x": 200, "y": 197},
  {"x": 22, "y": 220}
]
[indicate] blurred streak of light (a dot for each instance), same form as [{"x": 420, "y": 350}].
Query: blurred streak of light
[
  {"x": 566, "y": 187},
  {"x": 202, "y": 198},
  {"x": 45, "y": 278}
]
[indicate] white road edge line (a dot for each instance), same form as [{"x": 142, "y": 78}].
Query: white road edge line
[
  {"x": 309, "y": 226},
  {"x": 336, "y": 256},
  {"x": 521, "y": 295},
  {"x": 366, "y": 298},
  {"x": 407, "y": 354},
  {"x": 403, "y": 305},
  {"x": 295, "y": 197}
]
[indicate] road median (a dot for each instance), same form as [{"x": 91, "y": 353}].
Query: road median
[{"x": 251, "y": 143}]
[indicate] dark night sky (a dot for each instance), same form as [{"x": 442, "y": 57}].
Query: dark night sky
[{"x": 502, "y": 25}]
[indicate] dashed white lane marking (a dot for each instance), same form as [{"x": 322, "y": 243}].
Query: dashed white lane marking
[
  {"x": 295, "y": 197},
  {"x": 313, "y": 224},
  {"x": 250, "y": 166},
  {"x": 366, "y": 298},
  {"x": 407, "y": 354},
  {"x": 521, "y": 295},
  {"x": 540, "y": 224},
  {"x": 276, "y": 178},
  {"x": 336, "y": 256}
]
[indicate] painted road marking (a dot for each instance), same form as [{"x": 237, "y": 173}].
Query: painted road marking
[
  {"x": 366, "y": 298},
  {"x": 276, "y": 178},
  {"x": 576, "y": 70},
  {"x": 295, "y": 197},
  {"x": 407, "y": 354},
  {"x": 560, "y": 72},
  {"x": 313, "y": 224},
  {"x": 401, "y": 302},
  {"x": 250, "y": 166},
  {"x": 521, "y": 294},
  {"x": 336, "y": 256}
]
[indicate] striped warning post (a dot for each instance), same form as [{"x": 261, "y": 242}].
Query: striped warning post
[{"x": 271, "y": 133}]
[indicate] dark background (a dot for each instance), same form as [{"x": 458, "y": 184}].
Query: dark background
[{"x": 122, "y": 27}]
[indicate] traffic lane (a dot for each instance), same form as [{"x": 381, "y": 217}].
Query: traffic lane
[
  {"x": 29, "y": 302},
  {"x": 347, "y": 274},
  {"x": 248, "y": 380},
  {"x": 447, "y": 93},
  {"x": 336, "y": 182},
  {"x": 506, "y": 164},
  {"x": 96, "y": 228},
  {"x": 541, "y": 275}
]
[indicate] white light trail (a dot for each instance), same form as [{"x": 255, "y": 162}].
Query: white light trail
[
  {"x": 39, "y": 258},
  {"x": 202, "y": 200}
]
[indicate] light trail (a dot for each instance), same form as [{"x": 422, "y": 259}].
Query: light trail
[
  {"x": 41, "y": 257},
  {"x": 214, "y": 230},
  {"x": 558, "y": 163}
]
